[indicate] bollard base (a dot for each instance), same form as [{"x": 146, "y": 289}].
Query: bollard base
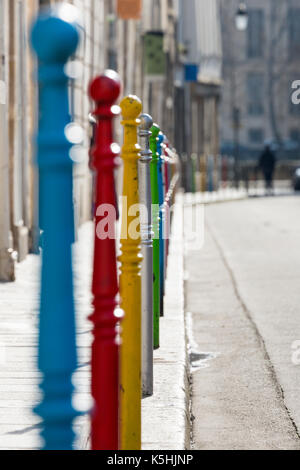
[
  {"x": 21, "y": 241},
  {"x": 7, "y": 264}
]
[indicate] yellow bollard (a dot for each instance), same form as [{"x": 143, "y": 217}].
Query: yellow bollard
[{"x": 130, "y": 283}]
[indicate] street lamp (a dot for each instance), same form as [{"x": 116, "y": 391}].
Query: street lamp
[
  {"x": 241, "y": 23},
  {"x": 241, "y": 17}
]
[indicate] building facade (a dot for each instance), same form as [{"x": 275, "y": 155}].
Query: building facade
[
  {"x": 107, "y": 42},
  {"x": 199, "y": 86},
  {"x": 19, "y": 221},
  {"x": 17, "y": 102},
  {"x": 259, "y": 66}
]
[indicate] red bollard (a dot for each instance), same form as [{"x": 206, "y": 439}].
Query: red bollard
[{"x": 104, "y": 90}]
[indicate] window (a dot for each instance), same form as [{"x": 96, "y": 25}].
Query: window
[
  {"x": 255, "y": 30},
  {"x": 294, "y": 31},
  {"x": 255, "y": 94},
  {"x": 256, "y": 136}
]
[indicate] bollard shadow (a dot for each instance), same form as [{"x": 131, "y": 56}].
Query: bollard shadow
[{"x": 25, "y": 430}]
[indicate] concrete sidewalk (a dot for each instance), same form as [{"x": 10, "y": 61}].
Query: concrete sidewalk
[
  {"x": 212, "y": 197},
  {"x": 165, "y": 416},
  {"x": 228, "y": 194}
]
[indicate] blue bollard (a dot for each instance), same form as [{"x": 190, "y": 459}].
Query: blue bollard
[
  {"x": 54, "y": 39},
  {"x": 161, "y": 197}
]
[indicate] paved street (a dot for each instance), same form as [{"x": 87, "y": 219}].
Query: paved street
[{"x": 243, "y": 303}]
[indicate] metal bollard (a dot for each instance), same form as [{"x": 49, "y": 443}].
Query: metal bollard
[
  {"x": 224, "y": 171},
  {"x": 167, "y": 165},
  {"x": 161, "y": 222},
  {"x": 155, "y": 224},
  {"x": 203, "y": 173},
  {"x": 210, "y": 173},
  {"x": 194, "y": 169},
  {"x": 167, "y": 201},
  {"x": 147, "y": 252},
  {"x": 174, "y": 163},
  {"x": 104, "y": 90},
  {"x": 165, "y": 179},
  {"x": 54, "y": 40},
  {"x": 130, "y": 282}
]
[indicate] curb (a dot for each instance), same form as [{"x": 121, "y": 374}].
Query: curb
[
  {"x": 166, "y": 415},
  {"x": 214, "y": 197}
]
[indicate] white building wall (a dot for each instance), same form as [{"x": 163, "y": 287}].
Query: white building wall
[
  {"x": 201, "y": 36},
  {"x": 92, "y": 57},
  {"x": 6, "y": 261}
]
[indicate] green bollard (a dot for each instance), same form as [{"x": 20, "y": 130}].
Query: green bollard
[{"x": 155, "y": 223}]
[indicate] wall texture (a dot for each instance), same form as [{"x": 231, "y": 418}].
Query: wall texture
[{"x": 107, "y": 42}]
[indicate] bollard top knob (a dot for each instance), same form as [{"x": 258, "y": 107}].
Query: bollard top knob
[
  {"x": 106, "y": 87},
  {"x": 55, "y": 33},
  {"x": 155, "y": 129},
  {"x": 160, "y": 138},
  {"x": 146, "y": 122},
  {"x": 131, "y": 107}
]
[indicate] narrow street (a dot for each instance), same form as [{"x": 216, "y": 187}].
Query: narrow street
[
  {"x": 149, "y": 227},
  {"x": 242, "y": 302}
]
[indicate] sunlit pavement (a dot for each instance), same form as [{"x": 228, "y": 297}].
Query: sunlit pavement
[
  {"x": 165, "y": 419},
  {"x": 243, "y": 303},
  {"x": 19, "y": 376}
]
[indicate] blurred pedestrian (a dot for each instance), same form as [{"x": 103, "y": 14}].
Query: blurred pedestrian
[{"x": 267, "y": 162}]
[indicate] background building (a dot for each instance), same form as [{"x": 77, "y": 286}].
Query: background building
[
  {"x": 108, "y": 41},
  {"x": 259, "y": 66},
  {"x": 19, "y": 224},
  {"x": 18, "y": 105},
  {"x": 170, "y": 56},
  {"x": 198, "y": 83}
]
